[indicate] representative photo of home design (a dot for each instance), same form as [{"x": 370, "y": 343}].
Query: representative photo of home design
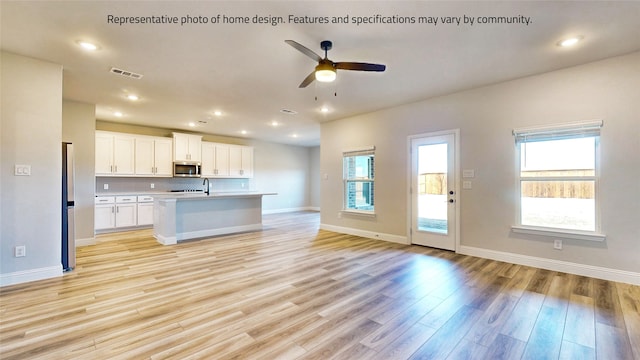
[{"x": 320, "y": 180}]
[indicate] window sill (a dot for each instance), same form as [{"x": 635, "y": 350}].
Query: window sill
[
  {"x": 565, "y": 234},
  {"x": 362, "y": 213}
]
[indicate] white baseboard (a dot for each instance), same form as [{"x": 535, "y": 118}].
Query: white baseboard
[
  {"x": 367, "y": 234},
  {"x": 554, "y": 265},
  {"x": 280, "y": 211},
  {"x": 85, "y": 242},
  {"x": 188, "y": 235},
  {"x": 165, "y": 240},
  {"x": 20, "y": 277}
]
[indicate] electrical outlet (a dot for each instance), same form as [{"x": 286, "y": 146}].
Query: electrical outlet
[
  {"x": 153, "y": 186},
  {"x": 557, "y": 244},
  {"x": 20, "y": 251},
  {"x": 22, "y": 170},
  {"x": 105, "y": 186}
]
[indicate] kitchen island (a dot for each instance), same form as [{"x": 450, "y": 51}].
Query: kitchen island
[{"x": 185, "y": 216}]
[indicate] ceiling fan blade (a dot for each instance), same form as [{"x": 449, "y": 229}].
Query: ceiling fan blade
[
  {"x": 308, "y": 80},
  {"x": 303, "y": 49},
  {"x": 359, "y": 66}
]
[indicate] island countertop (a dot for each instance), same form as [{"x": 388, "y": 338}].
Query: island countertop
[{"x": 211, "y": 196}]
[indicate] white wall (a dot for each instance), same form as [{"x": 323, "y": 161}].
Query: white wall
[
  {"x": 314, "y": 177},
  {"x": 606, "y": 90},
  {"x": 31, "y": 135},
  {"x": 78, "y": 127},
  {"x": 283, "y": 169}
]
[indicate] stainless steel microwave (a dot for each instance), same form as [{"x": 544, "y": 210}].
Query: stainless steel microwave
[{"x": 186, "y": 169}]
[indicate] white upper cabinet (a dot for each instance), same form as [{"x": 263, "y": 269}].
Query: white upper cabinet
[
  {"x": 153, "y": 156},
  {"x": 114, "y": 154},
  {"x": 186, "y": 147},
  {"x": 215, "y": 159},
  {"x": 164, "y": 157},
  {"x": 240, "y": 161},
  {"x": 119, "y": 154}
]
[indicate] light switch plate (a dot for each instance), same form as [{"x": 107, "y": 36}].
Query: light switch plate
[
  {"x": 22, "y": 170},
  {"x": 466, "y": 185},
  {"x": 468, "y": 173}
]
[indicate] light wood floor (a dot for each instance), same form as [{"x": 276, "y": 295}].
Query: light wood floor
[{"x": 292, "y": 292}]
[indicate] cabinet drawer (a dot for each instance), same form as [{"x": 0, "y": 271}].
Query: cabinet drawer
[
  {"x": 105, "y": 200},
  {"x": 145, "y": 198},
  {"x": 126, "y": 199}
]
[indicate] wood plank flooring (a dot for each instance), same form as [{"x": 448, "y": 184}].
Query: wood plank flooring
[{"x": 294, "y": 292}]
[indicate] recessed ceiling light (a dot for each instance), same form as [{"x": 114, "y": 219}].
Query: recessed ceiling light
[
  {"x": 243, "y": 132},
  {"x": 274, "y": 123},
  {"x": 118, "y": 114},
  {"x": 132, "y": 97},
  {"x": 294, "y": 135},
  {"x": 324, "y": 109},
  {"x": 568, "y": 42},
  {"x": 192, "y": 124},
  {"x": 87, "y": 45},
  {"x": 217, "y": 113}
]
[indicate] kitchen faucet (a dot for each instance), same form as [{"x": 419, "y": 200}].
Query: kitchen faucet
[{"x": 206, "y": 181}]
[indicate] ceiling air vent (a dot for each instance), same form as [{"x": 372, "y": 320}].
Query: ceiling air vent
[
  {"x": 288, "y": 111},
  {"x": 125, "y": 73}
]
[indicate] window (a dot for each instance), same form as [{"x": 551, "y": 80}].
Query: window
[
  {"x": 358, "y": 177},
  {"x": 557, "y": 177}
]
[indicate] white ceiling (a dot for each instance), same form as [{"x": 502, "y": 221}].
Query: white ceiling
[{"x": 249, "y": 73}]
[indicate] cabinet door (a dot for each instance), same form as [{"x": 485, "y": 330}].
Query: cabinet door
[
  {"x": 162, "y": 159},
  {"x": 126, "y": 215},
  {"x": 208, "y": 161},
  {"x": 123, "y": 155},
  {"x": 145, "y": 213},
  {"x": 247, "y": 162},
  {"x": 235, "y": 161},
  {"x": 241, "y": 161},
  {"x": 195, "y": 143},
  {"x": 180, "y": 147},
  {"x": 104, "y": 154},
  {"x": 144, "y": 156},
  {"x": 105, "y": 217},
  {"x": 222, "y": 160}
]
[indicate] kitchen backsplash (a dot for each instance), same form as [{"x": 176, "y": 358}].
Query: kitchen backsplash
[{"x": 143, "y": 185}]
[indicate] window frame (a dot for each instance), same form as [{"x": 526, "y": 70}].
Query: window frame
[
  {"x": 364, "y": 151},
  {"x": 559, "y": 132}
]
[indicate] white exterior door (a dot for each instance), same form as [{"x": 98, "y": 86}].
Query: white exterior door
[{"x": 433, "y": 190}]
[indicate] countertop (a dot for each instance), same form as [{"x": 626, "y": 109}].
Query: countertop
[
  {"x": 169, "y": 194},
  {"x": 211, "y": 196}
]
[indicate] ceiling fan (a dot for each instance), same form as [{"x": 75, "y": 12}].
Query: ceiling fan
[{"x": 325, "y": 71}]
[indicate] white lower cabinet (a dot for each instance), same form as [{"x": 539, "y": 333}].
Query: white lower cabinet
[
  {"x": 113, "y": 212},
  {"x": 126, "y": 211},
  {"x": 145, "y": 210}
]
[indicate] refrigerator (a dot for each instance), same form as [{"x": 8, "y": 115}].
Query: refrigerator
[{"x": 68, "y": 223}]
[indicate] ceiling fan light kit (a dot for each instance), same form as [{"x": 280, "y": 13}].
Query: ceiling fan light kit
[{"x": 326, "y": 70}]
